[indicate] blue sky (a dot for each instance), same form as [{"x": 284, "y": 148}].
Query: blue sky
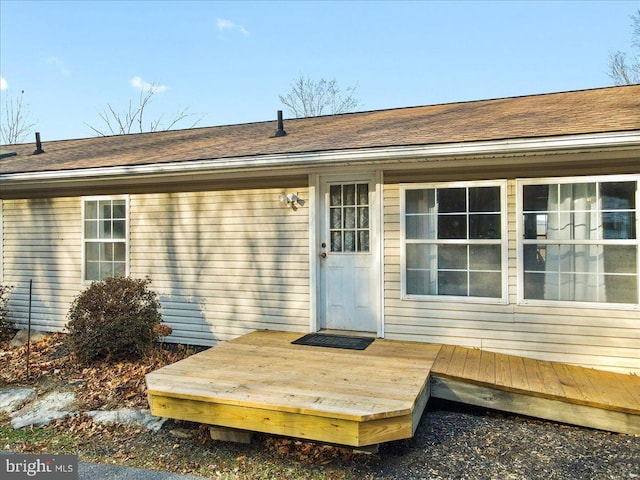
[{"x": 231, "y": 60}]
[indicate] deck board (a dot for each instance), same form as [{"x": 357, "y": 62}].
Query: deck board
[
  {"x": 502, "y": 372},
  {"x": 472, "y": 364},
  {"x": 535, "y": 377},
  {"x": 458, "y": 360},
  {"x": 628, "y": 389},
  {"x": 519, "y": 380},
  {"x": 443, "y": 360},
  {"x": 487, "y": 370},
  {"x": 551, "y": 380},
  {"x": 570, "y": 385},
  {"x": 262, "y": 382}
]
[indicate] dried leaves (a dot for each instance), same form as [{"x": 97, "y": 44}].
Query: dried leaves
[
  {"x": 99, "y": 385},
  {"x": 307, "y": 452}
]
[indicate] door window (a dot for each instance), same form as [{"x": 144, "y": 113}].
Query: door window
[{"x": 349, "y": 228}]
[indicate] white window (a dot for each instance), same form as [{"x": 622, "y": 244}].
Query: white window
[
  {"x": 578, "y": 240},
  {"x": 105, "y": 229},
  {"x": 453, "y": 241}
]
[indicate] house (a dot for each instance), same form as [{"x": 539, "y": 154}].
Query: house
[{"x": 508, "y": 224}]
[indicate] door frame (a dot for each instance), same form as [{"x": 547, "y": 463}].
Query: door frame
[{"x": 315, "y": 235}]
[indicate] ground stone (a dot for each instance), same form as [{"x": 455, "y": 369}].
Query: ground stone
[
  {"x": 13, "y": 399},
  {"x": 52, "y": 406},
  {"x": 20, "y": 338},
  {"x": 128, "y": 416}
]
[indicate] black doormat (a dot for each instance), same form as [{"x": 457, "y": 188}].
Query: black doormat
[{"x": 334, "y": 341}]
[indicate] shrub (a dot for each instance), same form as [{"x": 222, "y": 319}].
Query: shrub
[
  {"x": 112, "y": 319},
  {"x": 5, "y": 290}
]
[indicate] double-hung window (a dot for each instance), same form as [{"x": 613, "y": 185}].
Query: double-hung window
[
  {"x": 579, "y": 239},
  {"x": 105, "y": 237},
  {"x": 454, "y": 241}
]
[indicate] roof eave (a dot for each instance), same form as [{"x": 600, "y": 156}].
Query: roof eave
[{"x": 291, "y": 161}]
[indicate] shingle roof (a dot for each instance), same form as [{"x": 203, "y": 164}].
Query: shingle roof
[{"x": 613, "y": 109}]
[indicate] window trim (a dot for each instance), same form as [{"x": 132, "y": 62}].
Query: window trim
[
  {"x": 520, "y": 240},
  {"x": 83, "y": 279},
  {"x": 504, "y": 243}
]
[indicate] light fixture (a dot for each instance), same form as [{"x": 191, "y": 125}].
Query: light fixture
[{"x": 291, "y": 200}]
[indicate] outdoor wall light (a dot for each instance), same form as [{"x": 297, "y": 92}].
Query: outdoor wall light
[{"x": 291, "y": 200}]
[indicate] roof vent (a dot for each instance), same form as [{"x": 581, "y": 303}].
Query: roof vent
[
  {"x": 280, "y": 131},
  {"x": 38, "y": 149},
  {"x": 7, "y": 154}
]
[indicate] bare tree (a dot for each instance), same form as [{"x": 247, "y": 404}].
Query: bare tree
[
  {"x": 624, "y": 69},
  {"x": 133, "y": 119},
  {"x": 622, "y": 72},
  {"x": 310, "y": 98},
  {"x": 15, "y": 122}
]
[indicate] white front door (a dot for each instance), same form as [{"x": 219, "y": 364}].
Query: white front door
[{"x": 349, "y": 257}]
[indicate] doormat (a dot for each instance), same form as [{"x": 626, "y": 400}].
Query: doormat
[{"x": 334, "y": 341}]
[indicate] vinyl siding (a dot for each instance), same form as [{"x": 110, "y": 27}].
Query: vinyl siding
[
  {"x": 603, "y": 338},
  {"x": 224, "y": 263},
  {"x": 42, "y": 241}
]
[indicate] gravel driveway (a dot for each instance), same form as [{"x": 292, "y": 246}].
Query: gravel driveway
[{"x": 463, "y": 443}]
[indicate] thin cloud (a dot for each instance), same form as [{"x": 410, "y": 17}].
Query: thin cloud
[
  {"x": 224, "y": 25},
  {"x": 60, "y": 65},
  {"x": 140, "y": 84},
  {"x": 3, "y": 84}
]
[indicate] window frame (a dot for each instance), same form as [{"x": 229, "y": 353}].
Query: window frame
[
  {"x": 97, "y": 198},
  {"x": 503, "y": 241},
  {"x": 521, "y": 241}
]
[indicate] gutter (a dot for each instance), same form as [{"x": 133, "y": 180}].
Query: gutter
[{"x": 522, "y": 147}]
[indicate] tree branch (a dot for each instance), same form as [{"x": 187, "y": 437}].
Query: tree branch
[
  {"x": 308, "y": 98},
  {"x": 16, "y": 125},
  {"x": 125, "y": 122}
]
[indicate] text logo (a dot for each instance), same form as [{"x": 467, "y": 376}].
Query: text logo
[{"x": 49, "y": 467}]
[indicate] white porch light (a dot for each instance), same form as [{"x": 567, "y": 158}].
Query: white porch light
[{"x": 290, "y": 200}]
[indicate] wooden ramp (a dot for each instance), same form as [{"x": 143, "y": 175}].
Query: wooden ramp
[
  {"x": 261, "y": 382},
  {"x": 536, "y": 388}
]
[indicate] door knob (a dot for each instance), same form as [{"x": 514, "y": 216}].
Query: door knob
[{"x": 323, "y": 255}]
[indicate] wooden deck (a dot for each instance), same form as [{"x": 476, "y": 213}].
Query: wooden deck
[
  {"x": 549, "y": 390},
  {"x": 261, "y": 382}
]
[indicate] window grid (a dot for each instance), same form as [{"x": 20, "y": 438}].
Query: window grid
[
  {"x": 105, "y": 238},
  {"x": 349, "y": 227},
  {"x": 580, "y": 253},
  {"x": 439, "y": 249}
]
